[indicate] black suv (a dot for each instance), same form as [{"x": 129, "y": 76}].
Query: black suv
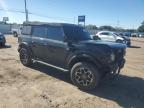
[{"x": 70, "y": 48}]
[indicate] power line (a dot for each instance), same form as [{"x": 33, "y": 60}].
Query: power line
[
  {"x": 37, "y": 14},
  {"x": 40, "y": 15},
  {"x": 16, "y": 11}
]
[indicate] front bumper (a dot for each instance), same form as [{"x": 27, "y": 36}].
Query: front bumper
[
  {"x": 128, "y": 43},
  {"x": 113, "y": 68},
  {"x": 121, "y": 63},
  {"x": 117, "y": 65}
]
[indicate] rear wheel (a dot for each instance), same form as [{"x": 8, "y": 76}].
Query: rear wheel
[
  {"x": 25, "y": 57},
  {"x": 85, "y": 76}
]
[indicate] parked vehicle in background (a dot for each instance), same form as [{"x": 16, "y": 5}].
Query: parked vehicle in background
[
  {"x": 135, "y": 35},
  {"x": 16, "y": 32},
  {"x": 125, "y": 37},
  {"x": 70, "y": 47},
  {"x": 16, "y": 29},
  {"x": 126, "y": 34},
  {"x": 109, "y": 36},
  {"x": 2, "y": 40},
  {"x": 141, "y": 35},
  {"x": 5, "y": 28}
]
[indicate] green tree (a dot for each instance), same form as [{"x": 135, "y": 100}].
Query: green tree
[
  {"x": 91, "y": 27},
  {"x": 130, "y": 30},
  {"x": 143, "y": 23},
  {"x": 106, "y": 27},
  {"x": 141, "y": 28}
]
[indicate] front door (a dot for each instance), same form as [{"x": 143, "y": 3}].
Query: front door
[
  {"x": 111, "y": 37},
  {"x": 56, "y": 49},
  {"x": 106, "y": 36}
]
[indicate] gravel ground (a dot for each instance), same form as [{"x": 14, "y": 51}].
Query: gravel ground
[{"x": 45, "y": 87}]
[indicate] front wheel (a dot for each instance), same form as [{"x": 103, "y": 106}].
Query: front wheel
[
  {"x": 25, "y": 57},
  {"x": 85, "y": 76}
]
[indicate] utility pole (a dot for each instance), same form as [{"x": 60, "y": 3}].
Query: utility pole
[
  {"x": 118, "y": 23},
  {"x": 26, "y": 11}
]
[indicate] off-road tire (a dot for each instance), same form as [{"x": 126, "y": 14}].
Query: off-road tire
[
  {"x": 94, "y": 75},
  {"x": 25, "y": 57}
]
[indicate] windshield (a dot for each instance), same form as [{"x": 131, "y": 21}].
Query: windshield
[
  {"x": 116, "y": 34},
  {"x": 76, "y": 33}
]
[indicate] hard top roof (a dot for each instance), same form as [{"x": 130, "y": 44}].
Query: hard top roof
[{"x": 47, "y": 23}]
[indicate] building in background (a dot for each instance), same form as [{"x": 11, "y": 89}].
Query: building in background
[{"x": 5, "y": 28}]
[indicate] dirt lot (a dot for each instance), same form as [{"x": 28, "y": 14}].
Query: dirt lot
[{"x": 46, "y": 87}]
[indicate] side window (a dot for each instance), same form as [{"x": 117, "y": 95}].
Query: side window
[
  {"x": 26, "y": 30},
  {"x": 104, "y": 33},
  {"x": 39, "y": 31},
  {"x": 55, "y": 33}
]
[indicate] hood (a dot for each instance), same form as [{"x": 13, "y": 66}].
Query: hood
[
  {"x": 119, "y": 38},
  {"x": 104, "y": 43},
  {"x": 126, "y": 38}
]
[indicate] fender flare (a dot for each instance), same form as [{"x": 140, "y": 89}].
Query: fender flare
[
  {"x": 82, "y": 57},
  {"x": 23, "y": 44}
]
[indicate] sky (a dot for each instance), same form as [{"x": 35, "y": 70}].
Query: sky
[{"x": 122, "y": 13}]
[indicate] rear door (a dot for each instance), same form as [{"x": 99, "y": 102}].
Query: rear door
[
  {"x": 112, "y": 37},
  {"x": 38, "y": 36}
]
